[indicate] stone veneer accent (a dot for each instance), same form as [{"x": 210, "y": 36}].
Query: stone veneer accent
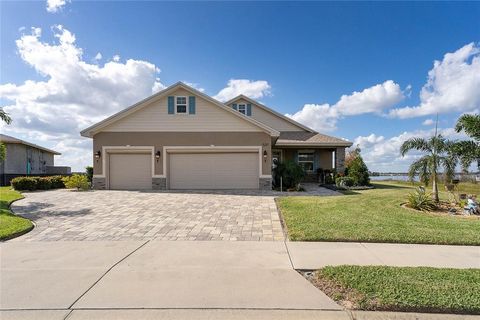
[
  {"x": 159, "y": 183},
  {"x": 340, "y": 159},
  {"x": 98, "y": 183},
  {"x": 265, "y": 184}
]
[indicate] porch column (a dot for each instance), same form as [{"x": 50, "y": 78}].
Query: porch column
[{"x": 340, "y": 159}]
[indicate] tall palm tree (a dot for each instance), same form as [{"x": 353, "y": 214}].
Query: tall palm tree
[
  {"x": 438, "y": 154},
  {"x": 469, "y": 151}
]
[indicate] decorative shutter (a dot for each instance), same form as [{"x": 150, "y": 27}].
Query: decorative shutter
[
  {"x": 191, "y": 104},
  {"x": 249, "y": 110},
  {"x": 171, "y": 105},
  {"x": 295, "y": 156},
  {"x": 234, "y": 106}
]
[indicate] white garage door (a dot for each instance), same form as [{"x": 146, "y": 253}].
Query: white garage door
[
  {"x": 213, "y": 171},
  {"x": 130, "y": 171}
]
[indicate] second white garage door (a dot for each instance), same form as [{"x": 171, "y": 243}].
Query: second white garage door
[
  {"x": 213, "y": 171},
  {"x": 130, "y": 171}
]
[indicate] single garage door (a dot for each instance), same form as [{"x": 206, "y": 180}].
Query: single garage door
[
  {"x": 213, "y": 171},
  {"x": 130, "y": 171}
]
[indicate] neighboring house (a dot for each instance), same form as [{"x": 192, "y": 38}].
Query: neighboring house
[
  {"x": 180, "y": 138},
  {"x": 25, "y": 158}
]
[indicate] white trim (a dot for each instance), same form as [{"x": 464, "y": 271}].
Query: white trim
[
  {"x": 186, "y": 105},
  {"x": 213, "y": 149},
  {"x": 266, "y": 176},
  {"x": 125, "y": 149},
  {"x": 242, "y": 104}
]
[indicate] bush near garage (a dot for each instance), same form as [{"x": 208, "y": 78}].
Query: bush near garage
[
  {"x": 77, "y": 181},
  {"x": 24, "y": 183},
  {"x": 37, "y": 183}
]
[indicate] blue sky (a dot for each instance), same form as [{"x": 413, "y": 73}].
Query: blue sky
[{"x": 305, "y": 53}]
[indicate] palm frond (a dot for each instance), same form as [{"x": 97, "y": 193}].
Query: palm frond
[
  {"x": 422, "y": 168},
  {"x": 419, "y": 144},
  {"x": 5, "y": 117}
]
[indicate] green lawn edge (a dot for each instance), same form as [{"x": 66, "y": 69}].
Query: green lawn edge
[
  {"x": 374, "y": 216},
  {"x": 401, "y": 289},
  {"x": 11, "y": 225}
]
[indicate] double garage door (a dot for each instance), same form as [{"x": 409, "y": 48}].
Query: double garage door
[{"x": 233, "y": 170}]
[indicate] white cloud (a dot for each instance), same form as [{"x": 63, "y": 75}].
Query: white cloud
[
  {"x": 55, "y": 5},
  {"x": 428, "y": 122},
  {"x": 73, "y": 95},
  {"x": 116, "y": 58},
  {"x": 98, "y": 56},
  {"x": 250, "y": 88},
  {"x": 194, "y": 85},
  {"x": 382, "y": 154},
  {"x": 453, "y": 85},
  {"x": 323, "y": 117}
]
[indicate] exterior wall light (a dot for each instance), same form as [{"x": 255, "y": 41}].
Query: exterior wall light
[
  {"x": 265, "y": 155},
  {"x": 98, "y": 154},
  {"x": 157, "y": 155}
]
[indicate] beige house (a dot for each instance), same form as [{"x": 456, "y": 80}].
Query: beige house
[{"x": 180, "y": 138}]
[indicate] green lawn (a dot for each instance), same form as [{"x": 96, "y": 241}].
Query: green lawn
[
  {"x": 9, "y": 223},
  {"x": 373, "y": 216},
  {"x": 418, "y": 289}
]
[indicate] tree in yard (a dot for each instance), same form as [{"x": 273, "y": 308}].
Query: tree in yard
[
  {"x": 356, "y": 168},
  {"x": 5, "y": 118},
  {"x": 438, "y": 154},
  {"x": 468, "y": 151}
]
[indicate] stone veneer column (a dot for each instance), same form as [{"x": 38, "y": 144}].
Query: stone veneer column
[
  {"x": 98, "y": 183},
  {"x": 340, "y": 160},
  {"x": 159, "y": 183},
  {"x": 265, "y": 184}
]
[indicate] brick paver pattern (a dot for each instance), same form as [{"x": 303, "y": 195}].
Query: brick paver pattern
[{"x": 134, "y": 215}]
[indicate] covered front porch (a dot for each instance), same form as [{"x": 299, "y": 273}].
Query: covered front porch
[
  {"x": 318, "y": 154},
  {"x": 315, "y": 161}
]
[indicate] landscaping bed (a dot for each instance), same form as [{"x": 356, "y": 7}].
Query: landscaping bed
[
  {"x": 407, "y": 289},
  {"x": 11, "y": 226},
  {"x": 373, "y": 216}
]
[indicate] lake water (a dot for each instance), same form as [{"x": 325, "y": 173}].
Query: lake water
[{"x": 386, "y": 178}]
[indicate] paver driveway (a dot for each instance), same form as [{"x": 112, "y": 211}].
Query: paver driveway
[{"x": 134, "y": 215}]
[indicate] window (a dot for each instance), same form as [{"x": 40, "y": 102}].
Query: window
[
  {"x": 181, "y": 104},
  {"x": 305, "y": 159},
  {"x": 242, "y": 108}
]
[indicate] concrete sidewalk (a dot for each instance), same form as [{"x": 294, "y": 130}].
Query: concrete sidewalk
[
  {"x": 315, "y": 255},
  {"x": 194, "y": 279},
  {"x": 155, "y": 274},
  {"x": 219, "y": 314}
]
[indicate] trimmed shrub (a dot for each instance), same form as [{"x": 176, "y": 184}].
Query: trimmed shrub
[
  {"x": 77, "y": 181},
  {"x": 37, "y": 183},
  {"x": 24, "y": 183},
  {"x": 89, "y": 173},
  {"x": 344, "y": 182},
  {"x": 421, "y": 200},
  {"x": 43, "y": 183},
  {"x": 56, "y": 182}
]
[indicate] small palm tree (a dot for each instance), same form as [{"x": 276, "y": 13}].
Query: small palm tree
[{"x": 438, "y": 154}]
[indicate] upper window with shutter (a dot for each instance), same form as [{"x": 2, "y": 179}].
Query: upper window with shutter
[
  {"x": 242, "y": 108},
  {"x": 181, "y": 105}
]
